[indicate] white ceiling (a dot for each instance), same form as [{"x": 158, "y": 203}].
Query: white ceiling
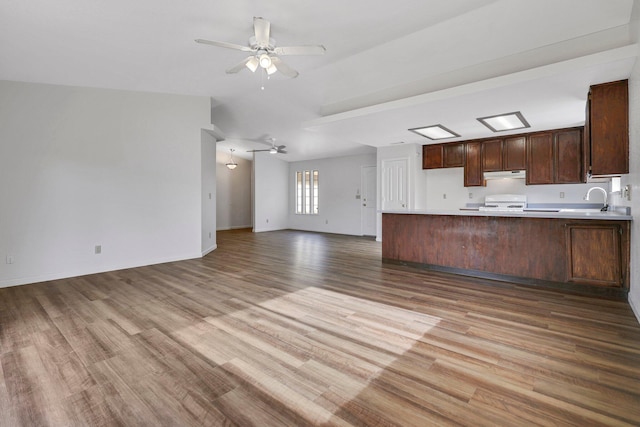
[{"x": 389, "y": 66}]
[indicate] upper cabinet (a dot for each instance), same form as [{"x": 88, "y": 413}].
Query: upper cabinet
[
  {"x": 453, "y": 155},
  {"x": 437, "y": 156},
  {"x": 506, "y": 154},
  {"x": 492, "y": 155},
  {"x": 540, "y": 158},
  {"x": 606, "y": 133},
  {"x": 514, "y": 153},
  {"x": 473, "y": 164},
  {"x": 555, "y": 157},
  {"x": 432, "y": 156},
  {"x": 568, "y": 157}
]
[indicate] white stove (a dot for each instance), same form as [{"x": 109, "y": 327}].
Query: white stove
[{"x": 504, "y": 203}]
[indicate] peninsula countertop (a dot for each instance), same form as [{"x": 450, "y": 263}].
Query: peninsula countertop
[{"x": 616, "y": 215}]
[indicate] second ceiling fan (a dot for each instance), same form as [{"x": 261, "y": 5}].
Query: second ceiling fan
[
  {"x": 264, "y": 52},
  {"x": 275, "y": 149}
]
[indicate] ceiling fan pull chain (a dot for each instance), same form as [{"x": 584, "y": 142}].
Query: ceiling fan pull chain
[{"x": 262, "y": 79}]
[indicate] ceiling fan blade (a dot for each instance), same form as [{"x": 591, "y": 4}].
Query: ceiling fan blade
[
  {"x": 255, "y": 151},
  {"x": 300, "y": 50},
  {"x": 261, "y": 28},
  {"x": 284, "y": 68},
  {"x": 225, "y": 44},
  {"x": 239, "y": 66},
  {"x": 282, "y": 151}
]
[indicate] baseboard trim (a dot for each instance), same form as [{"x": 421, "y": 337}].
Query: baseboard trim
[
  {"x": 211, "y": 249},
  {"x": 18, "y": 281}
]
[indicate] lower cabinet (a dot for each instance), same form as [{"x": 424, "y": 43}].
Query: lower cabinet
[
  {"x": 593, "y": 254},
  {"x": 588, "y": 255}
]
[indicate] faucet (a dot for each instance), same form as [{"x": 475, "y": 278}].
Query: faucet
[{"x": 604, "y": 192}]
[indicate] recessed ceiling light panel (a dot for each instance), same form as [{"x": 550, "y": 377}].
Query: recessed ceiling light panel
[
  {"x": 435, "y": 132},
  {"x": 503, "y": 122}
]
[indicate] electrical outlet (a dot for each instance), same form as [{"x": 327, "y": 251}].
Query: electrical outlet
[
  {"x": 209, "y": 234},
  {"x": 626, "y": 192},
  {"x": 562, "y": 194},
  {"x": 471, "y": 195},
  {"x": 444, "y": 195},
  {"x": 9, "y": 259},
  {"x": 326, "y": 221},
  {"x": 98, "y": 249},
  {"x": 267, "y": 220}
]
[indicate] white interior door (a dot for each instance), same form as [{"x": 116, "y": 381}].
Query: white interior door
[
  {"x": 395, "y": 184},
  {"x": 368, "y": 184}
]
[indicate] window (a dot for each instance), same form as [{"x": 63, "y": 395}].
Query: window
[{"x": 307, "y": 192}]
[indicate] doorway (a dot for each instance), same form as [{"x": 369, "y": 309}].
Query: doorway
[{"x": 369, "y": 200}]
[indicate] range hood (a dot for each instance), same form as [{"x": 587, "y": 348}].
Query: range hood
[{"x": 505, "y": 174}]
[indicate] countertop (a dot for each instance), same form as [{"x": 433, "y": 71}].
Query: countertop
[{"x": 542, "y": 213}]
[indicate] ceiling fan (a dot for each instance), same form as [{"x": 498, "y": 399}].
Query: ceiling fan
[
  {"x": 275, "y": 149},
  {"x": 264, "y": 52}
]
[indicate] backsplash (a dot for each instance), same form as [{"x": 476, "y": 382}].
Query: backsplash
[{"x": 445, "y": 190}]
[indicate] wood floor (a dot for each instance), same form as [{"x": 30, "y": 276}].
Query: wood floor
[{"x": 292, "y": 329}]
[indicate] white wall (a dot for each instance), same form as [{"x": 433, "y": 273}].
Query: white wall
[
  {"x": 271, "y": 192},
  {"x": 339, "y": 180},
  {"x": 208, "y": 191},
  {"x": 83, "y": 167},
  {"x": 633, "y": 178},
  {"x": 233, "y": 207}
]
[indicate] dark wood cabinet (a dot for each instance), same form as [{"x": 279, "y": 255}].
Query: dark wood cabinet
[
  {"x": 594, "y": 254},
  {"x": 514, "y": 153},
  {"x": 540, "y": 158},
  {"x": 473, "y": 164},
  {"x": 581, "y": 252},
  {"x": 432, "y": 156},
  {"x": 555, "y": 157},
  {"x": 437, "y": 156},
  {"x": 568, "y": 157},
  {"x": 453, "y": 155},
  {"x": 607, "y": 129},
  {"x": 492, "y": 155}
]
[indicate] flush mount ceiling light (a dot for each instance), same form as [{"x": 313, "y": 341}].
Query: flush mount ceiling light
[
  {"x": 502, "y": 122},
  {"x": 231, "y": 164},
  {"x": 435, "y": 132}
]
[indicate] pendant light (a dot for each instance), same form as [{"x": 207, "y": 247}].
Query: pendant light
[{"x": 231, "y": 164}]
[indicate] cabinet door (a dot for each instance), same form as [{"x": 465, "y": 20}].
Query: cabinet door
[
  {"x": 432, "y": 156},
  {"x": 473, "y": 164},
  {"x": 492, "y": 155},
  {"x": 540, "y": 158},
  {"x": 453, "y": 155},
  {"x": 609, "y": 128},
  {"x": 514, "y": 152},
  {"x": 593, "y": 254},
  {"x": 568, "y": 157}
]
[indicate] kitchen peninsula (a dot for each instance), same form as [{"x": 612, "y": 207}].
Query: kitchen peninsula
[{"x": 584, "y": 252}]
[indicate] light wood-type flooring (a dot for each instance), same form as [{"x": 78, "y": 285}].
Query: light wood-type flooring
[{"x": 292, "y": 328}]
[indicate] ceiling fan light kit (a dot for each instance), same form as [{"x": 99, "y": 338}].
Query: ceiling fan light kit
[
  {"x": 275, "y": 149},
  {"x": 264, "y": 52}
]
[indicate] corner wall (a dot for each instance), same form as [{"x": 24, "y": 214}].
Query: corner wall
[
  {"x": 634, "y": 166},
  {"x": 271, "y": 193},
  {"x": 85, "y": 167}
]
